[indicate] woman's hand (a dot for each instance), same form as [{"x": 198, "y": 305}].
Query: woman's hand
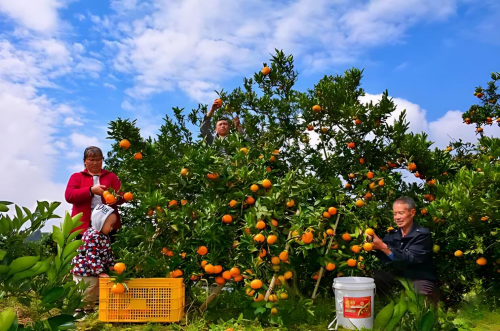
[
  {"x": 98, "y": 189},
  {"x": 103, "y": 275}
]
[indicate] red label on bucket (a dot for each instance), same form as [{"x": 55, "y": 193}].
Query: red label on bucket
[{"x": 357, "y": 307}]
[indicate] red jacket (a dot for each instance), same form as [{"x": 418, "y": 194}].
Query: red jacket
[{"x": 78, "y": 194}]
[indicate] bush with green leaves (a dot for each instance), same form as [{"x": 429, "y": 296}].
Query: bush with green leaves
[{"x": 41, "y": 282}]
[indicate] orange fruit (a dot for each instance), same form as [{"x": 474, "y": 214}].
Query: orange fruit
[
  {"x": 262, "y": 253},
  {"x": 119, "y": 268},
  {"x": 176, "y": 273},
  {"x": 209, "y": 269},
  {"x": 275, "y": 260},
  {"x": 125, "y": 144},
  {"x": 266, "y": 183},
  {"x": 204, "y": 264},
  {"x": 332, "y": 211},
  {"x": 260, "y": 225},
  {"x": 233, "y": 203},
  {"x": 184, "y": 202},
  {"x": 412, "y": 166},
  {"x": 234, "y": 271},
  {"x": 271, "y": 239},
  {"x": 272, "y": 159},
  {"x": 227, "y": 219},
  {"x": 330, "y": 232},
  {"x": 274, "y": 311},
  {"x": 220, "y": 280},
  {"x": 324, "y": 129},
  {"x": 172, "y": 203},
  {"x": 254, "y": 188},
  {"x": 273, "y": 298},
  {"x": 250, "y": 292},
  {"x": 330, "y": 266},
  {"x": 274, "y": 222},
  {"x": 458, "y": 253},
  {"x": 250, "y": 200},
  {"x": 244, "y": 150},
  {"x": 256, "y": 284},
  {"x": 362, "y": 161},
  {"x": 359, "y": 203},
  {"x": 307, "y": 237},
  {"x": 202, "y": 250},
  {"x": 481, "y": 261},
  {"x": 259, "y": 238},
  {"x": 283, "y": 295},
  {"x": 118, "y": 289},
  {"x": 346, "y": 237},
  {"x": 276, "y": 152},
  {"x": 259, "y": 297},
  {"x": 351, "y": 145},
  {"x": 316, "y": 108},
  {"x": 351, "y": 176},
  {"x": 358, "y": 121},
  {"x": 370, "y": 232},
  {"x": 128, "y": 196},
  {"x": 372, "y": 186},
  {"x": 310, "y": 127},
  {"x": 238, "y": 278},
  {"x": 479, "y": 129},
  {"x": 226, "y": 275},
  {"x": 326, "y": 214},
  {"x": 193, "y": 278},
  {"x": 290, "y": 203},
  {"x": 367, "y": 246},
  {"x": 110, "y": 199},
  {"x": 347, "y": 185},
  {"x": 370, "y": 175},
  {"x": 381, "y": 182},
  {"x": 212, "y": 176},
  {"x": 268, "y": 169},
  {"x": 351, "y": 263},
  {"x": 356, "y": 249},
  {"x": 218, "y": 102},
  {"x": 150, "y": 213},
  {"x": 284, "y": 256},
  {"x": 368, "y": 196},
  {"x": 183, "y": 255},
  {"x": 184, "y": 172},
  {"x": 288, "y": 275},
  {"x": 315, "y": 276},
  {"x": 217, "y": 269},
  {"x": 423, "y": 212},
  {"x": 266, "y": 71},
  {"x": 138, "y": 156}
]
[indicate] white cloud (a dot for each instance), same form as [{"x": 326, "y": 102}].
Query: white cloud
[
  {"x": 189, "y": 45},
  {"x": 82, "y": 141},
  {"x": 111, "y": 86},
  {"x": 80, "y": 17},
  {"x": 70, "y": 121},
  {"x": 441, "y": 131},
  {"x": 39, "y": 15}
]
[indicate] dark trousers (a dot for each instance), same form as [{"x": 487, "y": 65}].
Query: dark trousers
[{"x": 385, "y": 282}]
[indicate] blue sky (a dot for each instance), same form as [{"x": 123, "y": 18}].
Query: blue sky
[{"x": 68, "y": 67}]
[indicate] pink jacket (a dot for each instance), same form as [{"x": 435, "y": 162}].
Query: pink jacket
[{"x": 78, "y": 194}]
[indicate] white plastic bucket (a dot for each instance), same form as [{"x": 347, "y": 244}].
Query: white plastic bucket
[{"x": 354, "y": 302}]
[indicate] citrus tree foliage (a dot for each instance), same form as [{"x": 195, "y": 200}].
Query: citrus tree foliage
[
  {"x": 37, "y": 275},
  {"x": 354, "y": 165}
]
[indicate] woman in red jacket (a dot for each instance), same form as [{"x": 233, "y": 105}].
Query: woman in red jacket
[{"x": 85, "y": 188}]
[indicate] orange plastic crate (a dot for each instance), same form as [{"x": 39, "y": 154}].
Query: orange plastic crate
[{"x": 147, "y": 300}]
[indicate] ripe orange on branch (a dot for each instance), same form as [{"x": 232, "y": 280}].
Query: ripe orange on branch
[
  {"x": 266, "y": 71},
  {"x": 202, "y": 250},
  {"x": 316, "y": 108},
  {"x": 266, "y": 183},
  {"x": 227, "y": 219},
  {"x": 138, "y": 156},
  {"x": 128, "y": 196},
  {"x": 125, "y": 144},
  {"x": 119, "y": 268}
]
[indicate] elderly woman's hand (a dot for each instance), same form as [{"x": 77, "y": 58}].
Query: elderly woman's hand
[{"x": 98, "y": 189}]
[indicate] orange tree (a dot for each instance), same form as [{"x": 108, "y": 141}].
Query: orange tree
[{"x": 250, "y": 212}]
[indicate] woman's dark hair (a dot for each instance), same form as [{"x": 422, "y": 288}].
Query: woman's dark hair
[{"x": 92, "y": 151}]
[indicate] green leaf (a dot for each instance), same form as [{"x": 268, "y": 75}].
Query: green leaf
[
  {"x": 7, "y": 318},
  {"x": 71, "y": 248},
  {"x": 57, "y": 321},
  {"x": 3, "y": 208},
  {"x": 22, "y": 263},
  {"x": 4, "y": 269},
  {"x": 53, "y": 294},
  {"x": 2, "y": 254},
  {"x": 57, "y": 236},
  {"x": 67, "y": 225},
  {"x": 384, "y": 316},
  {"x": 427, "y": 321}
]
